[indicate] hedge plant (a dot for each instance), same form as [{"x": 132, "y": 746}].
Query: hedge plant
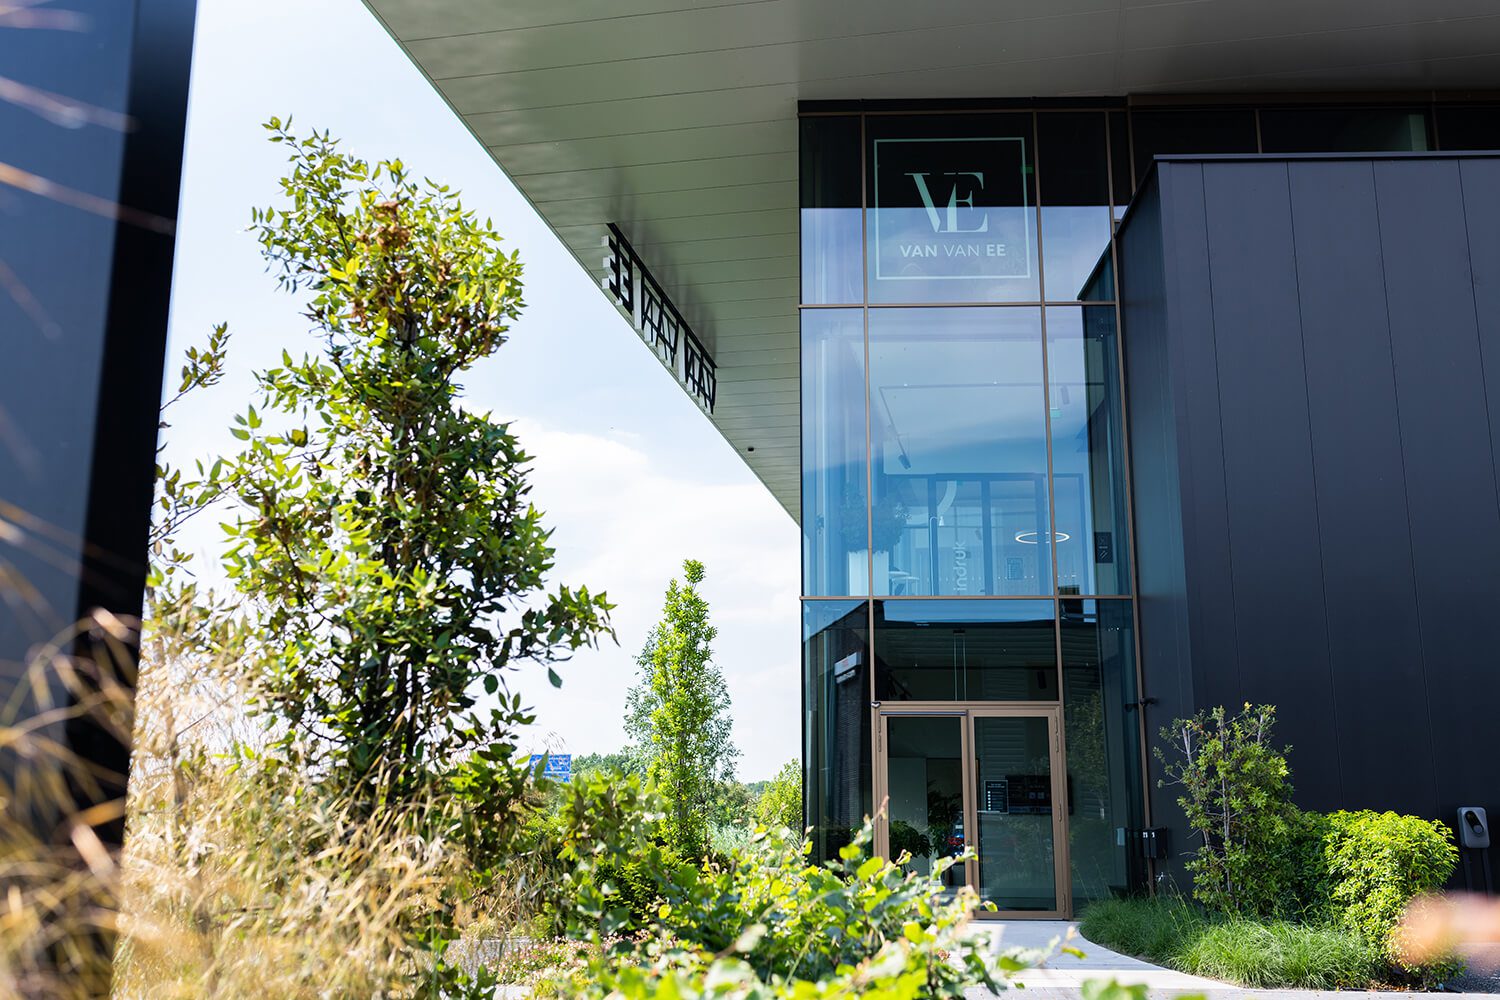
[{"x": 1377, "y": 864}]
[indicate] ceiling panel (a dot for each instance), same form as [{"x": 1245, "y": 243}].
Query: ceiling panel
[{"x": 677, "y": 121}]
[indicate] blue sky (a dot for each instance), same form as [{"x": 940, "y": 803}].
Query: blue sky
[{"x": 632, "y": 476}]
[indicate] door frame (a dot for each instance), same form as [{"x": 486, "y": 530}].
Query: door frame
[{"x": 966, "y": 713}]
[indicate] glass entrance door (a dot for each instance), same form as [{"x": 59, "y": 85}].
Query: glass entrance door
[
  {"x": 924, "y": 765},
  {"x": 1020, "y": 808},
  {"x": 989, "y": 778}
]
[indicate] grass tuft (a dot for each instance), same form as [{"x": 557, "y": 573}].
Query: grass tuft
[
  {"x": 1279, "y": 954},
  {"x": 1275, "y": 954}
]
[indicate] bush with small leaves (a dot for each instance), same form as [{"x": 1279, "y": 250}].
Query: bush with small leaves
[
  {"x": 767, "y": 923},
  {"x": 1377, "y": 864}
]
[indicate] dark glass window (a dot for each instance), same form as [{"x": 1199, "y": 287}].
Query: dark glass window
[
  {"x": 959, "y": 452},
  {"x": 924, "y": 763},
  {"x": 836, "y": 722},
  {"x": 1468, "y": 128},
  {"x": 831, "y": 208},
  {"x": 1342, "y": 130},
  {"x": 951, "y": 209},
  {"x": 835, "y": 538},
  {"x": 1102, "y": 743},
  {"x": 1222, "y": 130},
  {"x": 1072, "y": 162},
  {"x": 1091, "y": 534},
  {"x": 965, "y": 651},
  {"x": 1119, "y": 156}
]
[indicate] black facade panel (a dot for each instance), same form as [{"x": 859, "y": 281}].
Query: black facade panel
[
  {"x": 1214, "y": 655},
  {"x": 1320, "y": 529},
  {"x": 1163, "y": 601},
  {"x": 86, "y": 251},
  {"x": 1450, "y": 468},
  {"x": 1368, "y": 586},
  {"x": 1274, "y": 566}
]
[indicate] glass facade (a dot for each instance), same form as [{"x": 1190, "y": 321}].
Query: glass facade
[
  {"x": 970, "y": 628},
  {"x": 963, "y": 495}
]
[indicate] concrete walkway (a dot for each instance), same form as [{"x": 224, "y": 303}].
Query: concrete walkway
[{"x": 1062, "y": 975}]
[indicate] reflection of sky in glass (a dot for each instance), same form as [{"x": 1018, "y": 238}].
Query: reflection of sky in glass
[
  {"x": 835, "y": 560},
  {"x": 1086, "y": 460},
  {"x": 831, "y": 256},
  {"x": 1073, "y": 239},
  {"x": 909, "y": 262}
]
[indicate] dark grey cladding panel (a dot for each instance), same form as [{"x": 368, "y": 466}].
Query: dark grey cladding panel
[
  {"x": 1368, "y": 585},
  {"x": 1274, "y": 550},
  {"x": 1163, "y": 600},
  {"x": 1313, "y": 373},
  {"x": 1450, "y": 467}
]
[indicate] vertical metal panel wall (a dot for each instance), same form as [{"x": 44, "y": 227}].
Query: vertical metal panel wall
[
  {"x": 1313, "y": 382},
  {"x": 87, "y": 209}
]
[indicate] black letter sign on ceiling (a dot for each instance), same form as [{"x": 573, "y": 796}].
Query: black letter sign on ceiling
[{"x": 629, "y": 282}]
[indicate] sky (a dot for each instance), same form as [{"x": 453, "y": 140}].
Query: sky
[{"x": 632, "y": 477}]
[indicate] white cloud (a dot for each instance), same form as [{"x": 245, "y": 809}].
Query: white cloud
[{"x": 624, "y": 520}]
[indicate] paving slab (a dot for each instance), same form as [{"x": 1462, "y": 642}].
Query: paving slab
[{"x": 1062, "y": 977}]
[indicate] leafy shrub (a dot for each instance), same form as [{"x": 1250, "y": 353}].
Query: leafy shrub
[
  {"x": 907, "y": 839},
  {"x": 769, "y": 924},
  {"x": 781, "y": 802},
  {"x": 1302, "y": 869},
  {"x": 636, "y": 885},
  {"x": 1378, "y": 863},
  {"x": 1237, "y": 798}
]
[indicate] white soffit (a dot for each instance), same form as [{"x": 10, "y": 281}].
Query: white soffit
[{"x": 677, "y": 119}]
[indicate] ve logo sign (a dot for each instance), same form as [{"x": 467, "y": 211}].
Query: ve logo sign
[
  {"x": 951, "y": 209},
  {"x": 947, "y": 221}
]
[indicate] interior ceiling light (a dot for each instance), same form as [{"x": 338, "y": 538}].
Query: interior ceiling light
[{"x": 1030, "y": 537}]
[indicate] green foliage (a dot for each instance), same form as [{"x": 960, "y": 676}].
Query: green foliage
[
  {"x": 768, "y": 924},
  {"x": 617, "y": 762},
  {"x": 635, "y": 886},
  {"x": 1236, "y": 795},
  {"x": 392, "y": 564},
  {"x": 1377, "y": 864},
  {"x": 677, "y": 715},
  {"x": 1266, "y": 954},
  {"x": 907, "y": 839},
  {"x": 734, "y": 804},
  {"x": 781, "y": 802},
  {"x": 1301, "y": 869}
]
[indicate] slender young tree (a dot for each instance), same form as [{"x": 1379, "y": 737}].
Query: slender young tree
[{"x": 677, "y": 715}]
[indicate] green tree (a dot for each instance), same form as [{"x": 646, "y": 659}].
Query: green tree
[
  {"x": 391, "y": 564},
  {"x": 781, "y": 802},
  {"x": 677, "y": 715},
  {"x": 1237, "y": 796},
  {"x": 603, "y": 763}
]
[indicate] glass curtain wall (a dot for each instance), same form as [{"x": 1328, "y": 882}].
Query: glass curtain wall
[
  {"x": 966, "y": 534},
  {"x": 963, "y": 456}
]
